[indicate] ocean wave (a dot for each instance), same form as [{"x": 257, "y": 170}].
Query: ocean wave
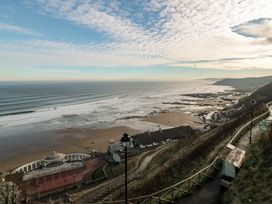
[{"x": 107, "y": 108}]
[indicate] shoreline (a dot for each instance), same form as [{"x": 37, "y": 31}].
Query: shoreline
[
  {"x": 84, "y": 139},
  {"x": 67, "y": 141}
]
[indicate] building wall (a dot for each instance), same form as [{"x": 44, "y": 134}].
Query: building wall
[
  {"x": 56, "y": 181},
  {"x": 36, "y": 164}
]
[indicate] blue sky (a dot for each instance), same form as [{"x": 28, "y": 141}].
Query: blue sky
[{"x": 134, "y": 40}]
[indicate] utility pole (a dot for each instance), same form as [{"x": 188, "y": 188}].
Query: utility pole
[
  {"x": 126, "y": 142},
  {"x": 126, "y": 181}
]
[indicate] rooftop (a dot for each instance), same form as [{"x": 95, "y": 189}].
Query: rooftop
[
  {"x": 52, "y": 170},
  {"x": 54, "y": 156},
  {"x": 234, "y": 156}
]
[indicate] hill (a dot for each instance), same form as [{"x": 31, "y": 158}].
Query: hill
[
  {"x": 245, "y": 84},
  {"x": 253, "y": 183},
  {"x": 262, "y": 96}
]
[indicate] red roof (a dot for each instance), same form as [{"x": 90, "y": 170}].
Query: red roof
[{"x": 59, "y": 180}]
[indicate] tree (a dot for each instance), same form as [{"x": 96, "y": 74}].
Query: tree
[{"x": 9, "y": 191}]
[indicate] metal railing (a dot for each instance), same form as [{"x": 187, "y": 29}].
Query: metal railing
[
  {"x": 168, "y": 194},
  {"x": 247, "y": 125},
  {"x": 171, "y": 193}
]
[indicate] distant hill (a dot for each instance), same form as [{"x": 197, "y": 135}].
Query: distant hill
[
  {"x": 245, "y": 84},
  {"x": 262, "y": 96}
]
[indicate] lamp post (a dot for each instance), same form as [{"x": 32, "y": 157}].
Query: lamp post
[
  {"x": 252, "y": 102},
  {"x": 125, "y": 140}
]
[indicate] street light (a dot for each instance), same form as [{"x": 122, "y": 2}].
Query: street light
[
  {"x": 252, "y": 102},
  {"x": 125, "y": 140}
]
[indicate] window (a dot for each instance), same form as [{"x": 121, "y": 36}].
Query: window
[
  {"x": 33, "y": 182},
  {"x": 48, "y": 178},
  {"x": 56, "y": 176},
  {"x": 40, "y": 180}
]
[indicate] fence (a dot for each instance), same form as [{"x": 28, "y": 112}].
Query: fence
[{"x": 171, "y": 193}]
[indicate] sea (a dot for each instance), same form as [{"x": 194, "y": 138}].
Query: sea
[{"x": 40, "y": 106}]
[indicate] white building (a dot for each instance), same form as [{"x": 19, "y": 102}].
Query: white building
[{"x": 54, "y": 158}]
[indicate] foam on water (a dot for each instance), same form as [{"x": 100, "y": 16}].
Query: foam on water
[{"x": 104, "y": 111}]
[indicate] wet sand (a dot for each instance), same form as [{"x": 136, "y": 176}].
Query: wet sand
[
  {"x": 174, "y": 119},
  {"x": 19, "y": 151}
]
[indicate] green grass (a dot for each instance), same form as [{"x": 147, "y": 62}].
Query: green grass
[
  {"x": 98, "y": 174},
  {"x": 119, "y": 169},
  {"x": 180, "y": 160},
  {"x": 169, "y": 167},
  {"x": 254, "y": 181}
]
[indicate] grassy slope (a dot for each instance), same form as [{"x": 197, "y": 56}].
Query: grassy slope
[
  {"x": 165, "y": 167},
  {"x": 262, "y": 96},
  {"x": 254, "y": 181}
]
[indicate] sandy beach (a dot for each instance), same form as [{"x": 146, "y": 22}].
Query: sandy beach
[
  {"x": 174, "y": 119},
  {"x": 67, "y": 140},
  {"x": 18, "y": 150},
  {"x": 83, "y": 139}
]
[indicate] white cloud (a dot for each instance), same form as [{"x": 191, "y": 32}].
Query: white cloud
[
  {"x": 40, "y": 52},
  {"x": 18, "y": 29},
  {"x": 96, "y": 15},
  {"x": 260, "y": 28},
  {"x": 234, "y": 64},
  {"x": 157, "y": 32}
]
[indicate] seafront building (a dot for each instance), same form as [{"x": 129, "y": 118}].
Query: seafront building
[
  {"x": 55, "y": 172},
  {"x": 116, "y": 150}
]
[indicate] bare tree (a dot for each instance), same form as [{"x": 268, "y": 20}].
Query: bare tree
[{"x": 9, "y": 191}]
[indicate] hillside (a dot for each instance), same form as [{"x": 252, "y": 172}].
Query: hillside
[
  {"x": 158, "y": 136},
  {"x": 254, "y": 181},
  {"x": 245, "y": 84},
  {"x": 262, "y": 96}
]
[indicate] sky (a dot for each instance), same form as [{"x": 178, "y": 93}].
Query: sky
[{"x": 134, "y": 39}]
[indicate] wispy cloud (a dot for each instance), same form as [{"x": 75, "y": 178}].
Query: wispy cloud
[
  {"x": 232, "y": 64},
  {"x": 259, "y": 28},
  {"x": 98, "y": 15},
  {"x": 18, "y": 29},
  {"x": 151, "y": 32}
]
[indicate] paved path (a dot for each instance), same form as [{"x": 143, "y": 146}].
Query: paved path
[
  {"x": 244, "y": 140},
  {"x": 208, "y": 193}
]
